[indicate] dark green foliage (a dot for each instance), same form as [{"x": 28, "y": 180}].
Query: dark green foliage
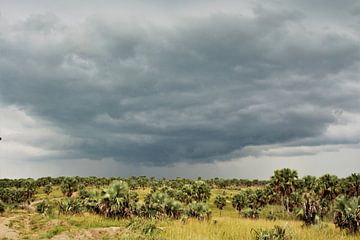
[
  {"x": 308, "y": 183},
  {"x": 70, "y": 206},
  {"x": 2, "y": 207},
  {"x": 284, "y": 183},
  {"x": 117, "y": 201},
  {"x": 310, "y": 211},
  {"x": 198, "y": 210},
  {"x": 69, "y": 185},
  {"x": 240, "y": 201},
  {"x": 250, "y": 213},
  {"x": 154, "y": 205},
  {"x": 352, "y": 185},
  {"x": 29, "y": 187},
  {"x": 13, "y": 196},
  {"x": 220, "y": 202},
  {"x": 48, "y": 189},
  {"x": 90, "y": 203},
  {"x": 272, "y": 215},
  {"x": 201, "y": 191},
  {"x": 251, "y": 200},
  {"x": 44, "y": 207},
  {"x": 276, "y": 233},
  {"x": 150, "y": 229},
  {"x": 173, "y": 208},
  {"x": 347, "y": 213}
]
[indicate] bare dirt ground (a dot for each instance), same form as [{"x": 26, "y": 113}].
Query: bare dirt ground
[
  {"x": 22, "y": 226},
  {"x": 5, "y": 231},
  {"x": 94, "y": 233}
]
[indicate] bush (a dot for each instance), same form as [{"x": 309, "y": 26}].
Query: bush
[
  {"x": 90, "y": 203},
  {"x": 276, "y": 233},
  {"x": 173, "y": 208},
  {"x": 311, "y": 209},
  {"x": 69, "y": 185},
  {"x": 150, "y": 229},
  {"x": 44, "y": 207},
  {"x": 70, "y": 206},
  {"x": 48, "y": 189},
  {"x": 117, "y": 201},
  {"x": 347, "y": 213},
  {"x": 199, "y": 211},
  {"x": 220, "y": 201},
  {"x": 154, "y": 206},
  {"x": 2, "y": 207},
  {"x": 250, "y": 213},
  {"x": 240, "y": 201}
]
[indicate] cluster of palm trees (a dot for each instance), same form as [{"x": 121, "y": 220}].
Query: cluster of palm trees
[
  {"x": 311, "y": 199},
  {"x": 119, "y": 201},
  {"x": 18, "y": 192},
  {"x": 315, "y": 199}
]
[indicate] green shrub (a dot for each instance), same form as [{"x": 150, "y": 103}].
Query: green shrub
[
  {"x": 44, "y": 207},
  {"x": 48, "y": 189},
  {"x": 250, "y": 213},
  {"x": 2, "y": 207},
  {"x": 117, "y": 201},
  {"x": 220, "y": 201},
  {"x": 240, "y": 201},
  {"x": 272, "y": 215},
  {"x": 173, "y": 208},
  {"x": 70, "y": 206},
  {"x": 347, "y": 213},
  {"x": 310, "y": 211},
  {"x": 150, "y": 229},
  {"x": 199, "y": 211},
  {"x": 276, "y": 233},
  {"x": 69, "y": 185}
]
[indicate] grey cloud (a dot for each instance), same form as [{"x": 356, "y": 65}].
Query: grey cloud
[{"x": 197, "y": 92}]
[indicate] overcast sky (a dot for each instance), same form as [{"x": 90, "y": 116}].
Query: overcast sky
[{"x": 179, "y": 88}]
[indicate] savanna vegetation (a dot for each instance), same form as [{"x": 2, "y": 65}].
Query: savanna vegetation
[{"x": 283, "y": 207}]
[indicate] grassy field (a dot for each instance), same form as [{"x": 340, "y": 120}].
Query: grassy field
[{"x": 29, "y": 225}]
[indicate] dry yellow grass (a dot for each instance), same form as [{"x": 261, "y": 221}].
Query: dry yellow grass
[{"x": 229, "y": 228}]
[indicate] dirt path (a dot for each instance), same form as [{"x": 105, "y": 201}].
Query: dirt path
[
  {"x": 93, "y": 233},
  {"x": 5, "y": 231}
]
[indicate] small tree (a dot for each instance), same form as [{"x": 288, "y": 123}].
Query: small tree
[
  {"x": 2, "y": 207},
  {"x": 240, "y": 201},
  {"x": 29, "y": 186},
  {"x": 220, "y": 202},
  {"x": 199, "y": 210},
  {"x": 69, "y": 185},
  {"x": 347, "y": 213},
  {"x": 310, "y": 212},
  {"x": 201, "y": 191},
  {"x": 284, "y": 183},
  {"x": 48, "y": 189},
  {"x": 117, "y": 201}
]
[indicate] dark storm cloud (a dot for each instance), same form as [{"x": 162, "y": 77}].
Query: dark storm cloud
[{"x": 198, "y": 91}]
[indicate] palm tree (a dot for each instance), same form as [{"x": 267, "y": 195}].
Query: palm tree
[
  {"x": 352, "y": 185},
  {"x": 69, "y": 185},
  {"x": 240, "y": 201},
  {"x": 201, "y": 191},
  {"x": 328, "y": 189},
  {"x": 47, "y": 189},
  {"x": 284, "y": 183},
  {"x": 310, "y": 212},
  {"x": 308, "y": 183},
  {"x": 220, "y": 202},
  {"x": 29, "y": 187},
  {"x": 117, "y": 201},
  {"x": 347, "y": 213}
]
